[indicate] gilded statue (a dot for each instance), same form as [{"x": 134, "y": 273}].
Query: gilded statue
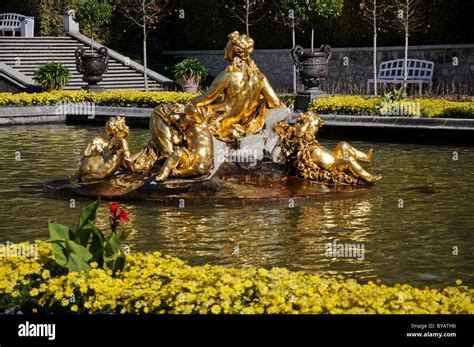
[
  {"x": 235, "y": 105},
  {"x": 233, "y": 99},
  {"x": 303, "y": 153},
  {"x": 102, "y": 158},
  {"x": 182, "y": 139}
]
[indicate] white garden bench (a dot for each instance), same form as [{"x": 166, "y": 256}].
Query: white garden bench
[
  {"x": 16, "y": 23},
  {"x": 393, "y": 71}
]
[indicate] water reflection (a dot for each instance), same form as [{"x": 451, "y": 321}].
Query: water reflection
[{"x": 411, "y": 244}]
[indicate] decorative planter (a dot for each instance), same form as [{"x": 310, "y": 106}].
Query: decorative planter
[
  {"x": 92, "y": 65},
  {"x": 190, "y": 85},
  {"x": 312, "y": 68}
]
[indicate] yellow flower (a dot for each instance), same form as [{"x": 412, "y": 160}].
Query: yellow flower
[
  {"x": 45, "y": 274},
  {"x": 215, "y": 309},
  {"x": 34, "y": 292},
  {"x": 74, "y": 308}
]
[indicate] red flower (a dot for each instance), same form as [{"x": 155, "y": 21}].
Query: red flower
[
  {"x": 123, "y": 216},
  {"x": 114, "y": 208}
]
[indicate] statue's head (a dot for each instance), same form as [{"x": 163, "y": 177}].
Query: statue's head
[
  {"x": 308, "y": 124},
  {"x": 238, "y": 46},
  {"x": 116, "y": 126}
]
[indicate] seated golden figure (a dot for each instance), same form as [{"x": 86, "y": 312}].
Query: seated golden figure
[
  {"x": 101, "y": 159},
  {"x": 233, "y": 99},
  {"x": 235, "y": 105},
  {"x": 313, "y": 161}
]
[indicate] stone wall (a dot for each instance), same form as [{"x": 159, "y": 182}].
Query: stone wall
[{"x": 350, "y": 68}]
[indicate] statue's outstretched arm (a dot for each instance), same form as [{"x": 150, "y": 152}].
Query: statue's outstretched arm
[
  {"x": 127, "y": 158},
  {"x": 216, "y": 88},
  {"x": 272, "y": 99}
]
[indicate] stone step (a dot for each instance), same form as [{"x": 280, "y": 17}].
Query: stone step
[
  {"x": 140, "y": 87},
  {"x": 34, "y": 45},
  {"x": 33, "y": 52},
  {"x": 23, "y": 40},
  {"x": 74, "y": 72}
]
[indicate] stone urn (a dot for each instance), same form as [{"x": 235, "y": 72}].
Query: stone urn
[
  {"x": 190, "y": 85},
  {"x": 92, "y": 65},
  {"x": 312, "y": 68}
]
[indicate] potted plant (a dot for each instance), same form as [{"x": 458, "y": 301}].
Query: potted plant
[
  {"x": 92, "y": 14},
  {"x": 188, "y": 73},
  {"x": 52, "y": 76}
]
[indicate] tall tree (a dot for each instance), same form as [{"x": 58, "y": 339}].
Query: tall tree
[
  {"x": 371, "y": 10},
  {"x": 310, "y": 10},
  {"x": 249, "y": 12},
  {"x": 411, "y": 17},
  {"x": 148, "y": 15}
]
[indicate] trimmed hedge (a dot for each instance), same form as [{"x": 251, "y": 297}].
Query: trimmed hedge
[
  {"x": 153, "y": 283},
  {"x": 347, "y": 105},
  {"x": 117, "y": 98},
  {"x": 362, "y": 106}
]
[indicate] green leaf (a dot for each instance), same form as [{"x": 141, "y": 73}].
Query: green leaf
[
  {"x": 112, "y": 246},
  {"x": 98, "y": 239},
  {"x": 59, "y": 232},
  {"x": 98, "y": 257},
  {"x": 77, "y": 264},
  {"x": 88, "y": 214},
  {"x": 119, "y": 264},
  {"x": 83, "y": 234},
  {"x": 79, "y": 250},
  {"x": 59, "y": 253}
]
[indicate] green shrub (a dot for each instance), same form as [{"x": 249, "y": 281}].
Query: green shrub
[
  {"x": 189, "y": 68},
  {"x": 52, "y": 76}
]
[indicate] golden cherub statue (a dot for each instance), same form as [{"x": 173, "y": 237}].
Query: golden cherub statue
[
  {"x": 302, "y": 151},
  {"x": 101, "y": 159},
  {"x": 183, "y": 139}
]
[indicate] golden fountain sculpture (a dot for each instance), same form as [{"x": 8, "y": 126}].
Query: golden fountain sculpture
[
  {"x": 302, "y": 152},
  {"x": 234, "y": 106},
  {"x": 101, "y": 158}
]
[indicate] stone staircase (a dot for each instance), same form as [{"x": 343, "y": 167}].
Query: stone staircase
[{"x": 24, "y": 55}]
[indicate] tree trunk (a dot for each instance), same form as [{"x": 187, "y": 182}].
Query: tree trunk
[
  {"x": 144, "y": 47},
  {"x": 375, "y": 47},
  {"x": 293, "y": 36},
  {"x": 405, "y": 62},
  {"x": 92, "y": 42},
  {"x": 247, "y": 18}
]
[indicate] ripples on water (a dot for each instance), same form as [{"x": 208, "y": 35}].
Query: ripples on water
[{"x": 413, "y": 244}]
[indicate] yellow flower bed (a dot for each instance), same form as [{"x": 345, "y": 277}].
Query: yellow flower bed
[
  {"x": 352, "y": 105},
  {"x": 358, "y": 105},
  {"x": 117, "y": 97},
  {"x": 153, "y": 283}
]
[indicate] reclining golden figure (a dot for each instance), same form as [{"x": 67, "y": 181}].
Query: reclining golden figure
[
  {"x": 311, "y": 160},
  {"x": 101, "y": 159}
]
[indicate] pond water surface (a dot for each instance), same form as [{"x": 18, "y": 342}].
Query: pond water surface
[{"x": 416, "y": 227}]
